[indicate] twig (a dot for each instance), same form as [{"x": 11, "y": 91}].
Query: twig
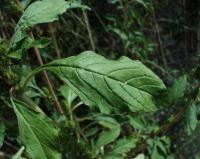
[
  {"x": 89, "y": 30},
  {"x": 168, "y": 126},
  {"x": 10, "y": 145},
  {"x": 55, "y": 44},
  {"x": 39, "y": 58},
  {"x": 159, "y": 38}
]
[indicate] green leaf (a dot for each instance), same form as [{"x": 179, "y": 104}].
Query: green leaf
[
  {"x": 113, "y": 157},
  {"x": 45, "y": 11},
  {"x": 122, "y": 146},
  {"x": 109, "y": 84},
  {"x": 18, "y": 155},
  {"x": 21, "y": 44},
  {"x": 2, "y": 133},
  {"x": 178, "y": 89},
  {"x": 159, "y": 147},
  {"x": 40, "y": 43},
  {"x": 26, "y": 44},
  {"x": 137, "y": 123},
  {"x": 140, "y": 156},
  {"x": 109, "y": 135},
  {"x": 38, "y": 12},
  {"x": 68, "y": 94},
  {"x": 37, "y": 132},
  {"x": 191, "y": 118}
]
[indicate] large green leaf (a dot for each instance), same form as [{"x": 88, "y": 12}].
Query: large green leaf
[
  {"x": 109, "y": 84},
  {"x": 2, "y": 133},
  {"x": 37, "y": 132}
]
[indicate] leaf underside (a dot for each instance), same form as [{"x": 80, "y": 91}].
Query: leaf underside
[{"x": 109, "y": 84}]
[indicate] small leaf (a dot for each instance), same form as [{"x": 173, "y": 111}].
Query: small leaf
[
  {"x": 40, "y": 43},
  {"x": 37, "y": 132},
  {"x": 191, "y": 118},
  {"x": 25, "y": 44},
  {"x": 109, "y": 135},
  {"x": 178, "y": 89},
  {"x": 18, "y": 155},
  {"x": 68, "y": 94},
  {"x": 140, "y": 156},
  {"x": 159, "y": 147},
  {"x": 2, "y": 133},
  {"x": 109, "y": 84},
  {"x": 122, "y": 147},
  {"x": 137, "y": 123}
]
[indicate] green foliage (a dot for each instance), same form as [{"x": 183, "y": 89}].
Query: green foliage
[
  {"x": 2, "y": 133},
  {"x": 109, "y": 135},
  {"x": 160, "y": 147},
  {"x": 177, "y": 91},
  {"x": 109, "y": 84},
  {"x": 121, "y": 147},
  {"x": 68, "y": 94},
  {"x": 107, "y": 108},
  {"x": 38, "y": 12},
  {"x": 191, "y": 118},
  {"x": 37, "y": 132}
]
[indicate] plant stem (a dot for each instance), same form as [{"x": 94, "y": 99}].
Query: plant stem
[
  {"x": 89, "y": 30},
  {"x": 39, "y": 58},
  {"x": 55, "y": 44}
]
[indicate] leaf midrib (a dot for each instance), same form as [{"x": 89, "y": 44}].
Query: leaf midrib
[{"x": 85, "y": 69}]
